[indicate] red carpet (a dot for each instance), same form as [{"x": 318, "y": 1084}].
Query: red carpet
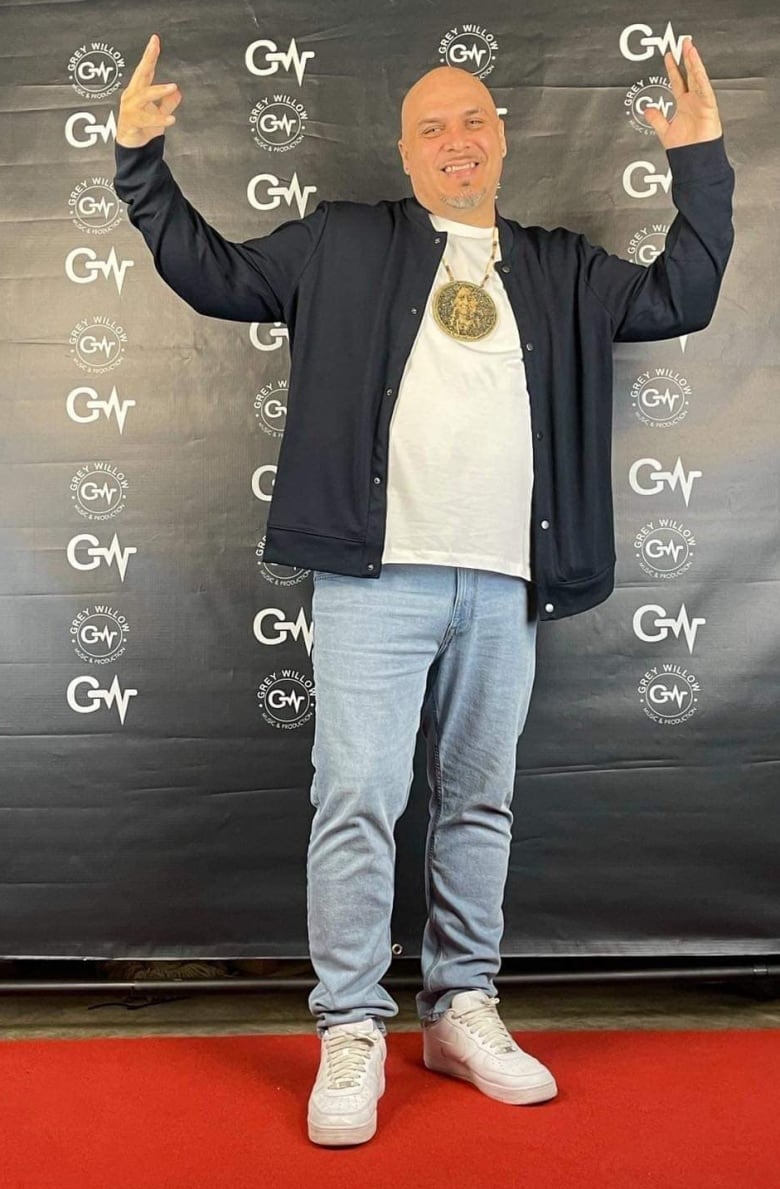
[{"x": 636, "y": 1110}]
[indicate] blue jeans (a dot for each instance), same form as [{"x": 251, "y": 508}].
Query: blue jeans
[{"x": 453, "y": 650}]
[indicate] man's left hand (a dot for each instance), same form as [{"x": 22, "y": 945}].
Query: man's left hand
[{"x": 696, "y": 117}]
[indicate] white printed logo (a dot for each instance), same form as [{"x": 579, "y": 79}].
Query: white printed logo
[
  {"x": 98, "y": 491},
  {"x": 96, "y": 72},
  {"x": 97, "y": 345},
  {"x": 264, "y": 57},
  {"x": 638, "y": 477},
  {"x": 648, "y": 243},
  {"x": 86, "y": 546},
  {"x": 471, "y": 47},
  {"x": 112, "y": 406},
  {"x": 664, "y": 548},
  {"x": 94, "y": 207},
  {"x": 278, "y": 123},
  {"x": 660, "y": 397},
  {"x": 259, "y": 482},
  {"x": 85, "y": 695},
  {"x": 271, "y": 626},
  {"x": 286, "y": 699},
  {"x": 270, "y": 406},
  {"x": 640, "y": 180},
  {"x": 638, "y": 42},
  {"x": 99, "y": 635},
  {"x": 641, "y": 95},
  {"x": 82, "y": 130},
  {"x": 83, "y": 265},
  {"x": 669, "y": 695},
  {"x": 277, "y": 192},
  {"x": 652, "y": 624},
  {"x": 276, "y": 336}
]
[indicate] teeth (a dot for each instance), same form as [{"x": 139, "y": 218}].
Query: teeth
[{"x": 454, "y": 168}]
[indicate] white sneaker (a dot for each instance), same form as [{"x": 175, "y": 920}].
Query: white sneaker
[
  {"x": 471, "y": 1041},
  {"x": 350, "y": 1081}
]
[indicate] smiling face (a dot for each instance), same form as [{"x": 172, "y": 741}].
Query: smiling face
[{"x": 448, "y": 118}]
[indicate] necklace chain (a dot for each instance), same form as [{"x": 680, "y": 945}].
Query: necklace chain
[{"x": 490, "y": 261}]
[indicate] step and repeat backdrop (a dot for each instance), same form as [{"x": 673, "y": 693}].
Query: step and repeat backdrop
[{"x": 157, "y": 702}]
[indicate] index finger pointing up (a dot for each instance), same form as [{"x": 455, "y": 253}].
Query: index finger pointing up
[{"x": 144, "y": 71}]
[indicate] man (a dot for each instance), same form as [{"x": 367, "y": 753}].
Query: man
[{"x": 448, "y": 436}]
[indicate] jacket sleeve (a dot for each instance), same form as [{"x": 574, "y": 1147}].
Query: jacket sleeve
[
  {"x": 252, "y": 281},
  {"x": 677, "y": 292}
]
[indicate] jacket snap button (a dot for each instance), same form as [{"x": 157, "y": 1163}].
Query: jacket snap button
[
  {"x": 549, "y": 607},
  {"x": 370, "y": 566},
  {"x": 377, "y": 479},
  {"x": 414, "y": 309},
  {"x": 529, "y": 346},
  {"x": 437, "y": 240},
  {"x": 545, "y": 524},
  {"x": 505, "y": 268},
  {"x": 388, "y": 392},
  {"x": 539, "y": 433}
]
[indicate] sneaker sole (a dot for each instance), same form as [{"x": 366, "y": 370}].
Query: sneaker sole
[
  {"x": 342, "y": 1136},
  {"x": 345, "y": 1133},
  {"x": 514, "y": 1095}
]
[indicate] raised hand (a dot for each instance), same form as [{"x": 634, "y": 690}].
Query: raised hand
[
  {"x": 696, "y": 117},
  {"x": 145, "y": 109}
]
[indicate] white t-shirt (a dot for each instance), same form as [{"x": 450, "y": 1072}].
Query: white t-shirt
[{"x": 460, "y": 466}]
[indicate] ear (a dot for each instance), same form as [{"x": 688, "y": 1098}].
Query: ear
[{"x": 402, "y": 151}]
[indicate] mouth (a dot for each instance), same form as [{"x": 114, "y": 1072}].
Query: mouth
[{"x": 462, "y": 169}]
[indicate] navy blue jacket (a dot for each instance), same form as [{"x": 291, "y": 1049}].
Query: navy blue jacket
[{"x": 351, "y": 281}]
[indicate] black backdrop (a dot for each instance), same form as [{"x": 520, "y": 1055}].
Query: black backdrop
[{"x": 157, "y": 703}]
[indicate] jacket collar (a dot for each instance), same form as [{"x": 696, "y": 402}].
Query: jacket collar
[{"x": 419, "y": 214}]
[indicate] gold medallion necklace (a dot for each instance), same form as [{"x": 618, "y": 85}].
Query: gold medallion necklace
[{"x": 464, "y": 310}]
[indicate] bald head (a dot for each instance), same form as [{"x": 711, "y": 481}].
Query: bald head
[
  {"x": 449, "y": 120},
  {"x": 441, "y": 81}
]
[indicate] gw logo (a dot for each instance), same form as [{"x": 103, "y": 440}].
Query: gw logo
[
  {"x": 111, "y": 406},
  {"x": 94, "y": 265},
  {"x": 272, "y": 122},
  {"x": 630, "y": 42},
  {"x": 658, "y": 550},
  {"x": 95, "y": 635},
  {"x": 97, "y": 553},
  {"x": 276, "y": 57},
  {"x": 278, "y": 191},
  {"x": 87, "y": 71},
  {"x": 283, "y": 628},
  {"x": 277, "y": 335},
  {"x": 461, "y": 54},
  {"x": 93, "y": 344},
  {"x": 650, "y": 181},
  {"x": 674, "y": 478},
  {"x": 278, "y": 699},
  {"x": 662, "y": 623},
  {"x": 89, "y": 207},
  {"x": 661, "y": 694},
  {"x": 258, "y": 478},
  {"x": 82, "y": 130},
  {"x": 94, "y": 695}
]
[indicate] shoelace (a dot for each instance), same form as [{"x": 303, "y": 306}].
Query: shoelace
[
  {"x": 346, "y": 1058},
  {"x": 485, "y": 1022}
]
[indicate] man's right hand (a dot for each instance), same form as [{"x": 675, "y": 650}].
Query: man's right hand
[{"x": 144, "y": 109}]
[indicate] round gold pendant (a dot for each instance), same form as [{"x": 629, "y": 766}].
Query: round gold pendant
[{"x": 464, "y": 310}]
